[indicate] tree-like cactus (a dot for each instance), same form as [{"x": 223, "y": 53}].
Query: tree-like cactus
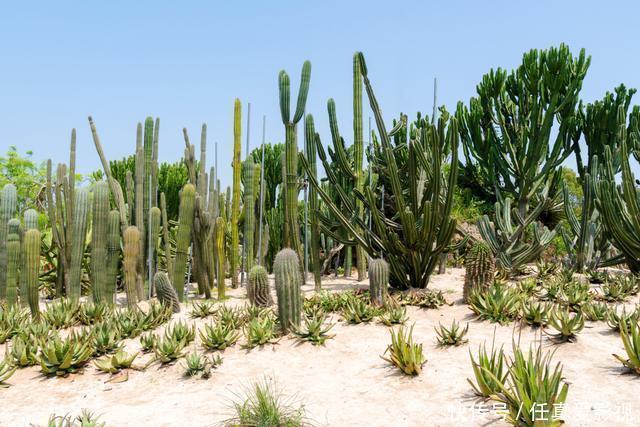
[
  {"x": 13, "y": 261},
  {"x": 78, "y": 238},
  {"x": 378, "y": 280},
  {"x": 113, "y": 255},
  {"x": 131, "y": 238},
  {"x": 479, "y": 268},
  {"x": 235, "y": 204},
  {"x": 32, "y": 270},
  {"x": 258, "y": 290},
  {"x": 248, "y": 171},
  {"x": 166, "y": 292},
  {"x": 8, "y": 201},
  {"x": 286, "y": 269},
  {"x": 99, "y": 243},
  {"x": 291, "y": 151},
  {"x": 183, "y": 237},
  {"x": 220, "y": 235}
]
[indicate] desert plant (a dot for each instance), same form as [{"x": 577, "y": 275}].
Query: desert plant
[
  {"x": 623, "y": 320},
  {"x": 230, "y": 317},
  {"x": 575, "y": 294},
  {"x": 497, "y": 303},
  {"x": 489, "y": 371},
  {"x": 180, "y": 331},
  {"x": 286, "y": 268},
  {"x": 105, "y": 338},
  {"x": 404, "y": 353},
  {"x": 545, "y": 269},
  {"x": 169, "y": 349},
  {"x": 528, "y": 287},
  {"x": 619, "y": 288},
  {"x": 90, "y": 313},
  {"x": 116, "y": 362},
  {"x": 260, "y": 331},
  {"x": 479, "y": 268},
  {"x": 424, "y": 298},
  {"x": 31, "y": 257},
  {"x": 23, "y": 351},
  {"x": 378, "y": 281},
  {"x": 567, "y": 324},
  {"x": 202, "y": 309},
  {"x": 314, "y": 330},
  {"x": 131, "y": 252},
  {"x": 258, "y": 290},
  {"x": 183, "y": 238},
  {"x": 631, "y": 340},
  {"x": 218, "y": 336},
  {"x": 166, "y": 293},
  {"x": 64, "y": 356},
  {"x": 535, "y": 313},
  {"x": 6, "y": 371},
  {"x": 453, "y": 335},
  {"x": 130, "y": 323},
  {"x": 394, "y": 314},
  {"x": 358, "y": 311},
  {"x": 594, "y": 311},
  {"x": 148, "y": 342},
  {"x": 157, "y": 314},
  {"x": 552, "y": 291},
  {"x": 61, "y": 313}
]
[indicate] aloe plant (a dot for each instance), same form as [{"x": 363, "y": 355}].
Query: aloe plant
[
  {"x": 453, "y": 335},
  {"x": 404, "y": 353},
  {"x": 631, "y": 341}
]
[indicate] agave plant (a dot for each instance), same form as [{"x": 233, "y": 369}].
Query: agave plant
[
  {"x": 528, "y": 287},
  {"x": 230, "y": 317},
  {"x": 250, "y": 312},
  {"x": 23, "y": 351},
  {"x": 148, "y": 342},
  {"x": 61, "y": 313},
  {"x": 575, "y": 294},
  {"x": 424, "y": 298},
  {"x": 85, "y": 419},
  {"x": 566, "y": 323},
  {"x": 169, "y": 349},
  {"x": 105, "y": 338},
  {"x": 358, "y": 310},
  {"x": 218, "y": 336},
  {"x": 157, "y": 314},
  {"x": 552, "y": 291},
  {"x": 195, "y": 363},
  {"x": 180, "y": 331},
  {"x": 116, "y": 362},
  {"x": 619, "y": 321},
  {"x": 202, "y": 309},
  {"x": 12, "y": 321},
  {"x": 404, "y": 353},
  {"x": 597, "y": 276},
  {"x": 631, "y": 340},
  {"x": 497, "y": 303},
  {"x": 489, "y": 371},
  {"x": 595, "y": 311},
  {"x": 130, "y": 323},
  {"x": 545, "y": 269},
  {"x": 90, "y": 312},
  {"x": 394, "y": 314},
  {"x": 451, "y": 336},
  {"x": 619, "y": 288},
  {"x": 64, "y": 356},
  {"x": 314, "y": 330},
  {"x": 535, "y": 313},
  {"x": 260, "y": 331},
  {"x": 6, "y": 371}
]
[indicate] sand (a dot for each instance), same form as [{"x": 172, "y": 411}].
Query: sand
[{"x": 344, "y": 383}]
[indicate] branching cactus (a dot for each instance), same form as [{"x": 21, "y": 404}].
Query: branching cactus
[
  {"x": 99, "y": 244},
  {"x": 258, "y": 290},
  {"x": 32, "y": 270},
  {"x": 235, "y": 204},
  {"x": 131, "y": 239},
  {"x": 286, "y": 268},
  {"x": 479, "y": 268},
  {"x": 8, "y": 202},
  {"x": 378, "y": 280},
  {"x": 166, "y": 292},
  {"x": 220, "y": 233},
  {"x": 183, "y": 237},
  {"x": 13, "y": 261},
  {"x": 113, "y": 255},
  {"x": 78, "y": 238}
]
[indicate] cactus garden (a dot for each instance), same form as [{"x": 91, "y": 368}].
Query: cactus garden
[{"x": 475, "y": 263}]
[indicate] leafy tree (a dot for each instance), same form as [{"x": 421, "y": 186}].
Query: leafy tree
[{"x": 27, "y": 175}]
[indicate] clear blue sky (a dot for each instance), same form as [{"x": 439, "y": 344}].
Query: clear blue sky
[{"x": 121, "y": 61}]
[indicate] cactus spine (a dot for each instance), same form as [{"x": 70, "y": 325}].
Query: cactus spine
[
  {"x": 32, "y": 270},
  {"x": 291, "y": 151},
  {"x": 8, "y": 201},
  {"x": 131, "y": 239},
  {"x": 258, "y": 287},
  {"x": 286, "y": 268},
  {"x": 183, "y": 237},
  {"x": 310, "y": 151},
  {"x": 235, "y": 204},
  {"x": 248, "y": 170},
  {"x": 113, "y": 255},
  {"x": 78, "y": 237},
  {"x": 13, "y": 261},
  {"x": 479, "y": 268},
  {"x": 166, "y": 292},
  {"x": 378, "y": 280},
  {"x": 100, "y": 225}
]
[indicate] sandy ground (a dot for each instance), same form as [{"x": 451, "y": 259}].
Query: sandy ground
[{"x": 345, "y": 383}]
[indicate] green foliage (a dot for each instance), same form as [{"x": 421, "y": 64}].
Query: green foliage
[
  {"x": 180, "y": 331},
  {"x": 357, "y": 310},
  {"x": 623, "y": 320},
  {"x": 116, "y": 362},
  {"x": 202, "y": 309},
  {"x": 23, "y": 351},
  {"x": 105, "y": 338},
  {"x": 567, "y": 324},
  {"x": 451, "y": 336},
  {"x": 61, "y": 313},
  {"x": 535, "y": 313},
  {"x": 61, "y": 357},
  {"x": 489, "y": 371},
  {"x": 25, "y": 174},
  {"x": 631, "y": 341},
  {"x": 595, "y": 311},
  {"x": 498, "y": 303},
  {"x": 169, "y": 349},
  {"x": 85, "y": 419},
  {"x": 314, "y": 330},
  {"x": 260, "y": 331},
  {"x": 218, "y": 336},
  {"x": 404, "y": 353},
  {"x": 6, "y": 371},
  {"x": 199, "y": 364},
  {"x": 148, "y": 342},
  {"x": 394, "y": 314}
]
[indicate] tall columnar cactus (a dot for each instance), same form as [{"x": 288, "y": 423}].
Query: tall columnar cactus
[
  {"x": 165, "y": 235},
  {"x": 139, "y": 208},
  {"x": 131, "y": 240},
  {"x": 113, "y": 255},
  {"x": 147, "y": 149},
  {"x": 165, "y": 291},
  {"x": 32, "y": 270},
  {"x": 378, "y": 280},
  {"x": 258, "y": 290},
  {"x": 235, "y": 204},
  {"x": 310, "y": 152},
  {"x": 292, "y": 184},
  {"x": 13, "y": 261},
  {"x": 248, "y": 170},
  {"x": 8, "y": 202},
  {"x": 220, "y": 233},
  {"x": 99, "y": 243},
  {"x": 31, "y": 219},
  {"x": 154, "y": 229},
  {"x": 358, "y": 152},
  {"x": 479, "y": 268},
  {"x": 183, "y": 237},
  {"x": 78, "y": 238},
  {"x": 286, "y": 269}
]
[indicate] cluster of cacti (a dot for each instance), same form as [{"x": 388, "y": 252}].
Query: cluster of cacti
[
  {"x": 479, "y": 267},
  {"x": 286, "y": 269},
  {"x": 258, "y": 290},
  {"x": 378, "y": 280}
]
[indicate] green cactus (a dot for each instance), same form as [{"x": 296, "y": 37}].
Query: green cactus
[
  {"x": 13, "y": 261},
  {"x": 310, "y": 152},
  {"x": 154, "y": 226},
  {"x": 131, "y": 238},
  {"x": 8, "y": 202},
  {"x": 147, "y": 148},
  {"x": 31, "y": 219},
  {"x": 291, "y": 151},
  {"x": 183, "y": 237},
  {"x": 248, "y": 170},
  {"x": 358, "y": 152},
  {"x": 378, "y": 280},
  {"x": 113, "y": 255},
  {"x": 140, "y": 217},
  {"x": 32, "y": 270},
  {"x": 165, "y": 291},
  {"x": 220, "y": 234},
  {"x": 479, "y": 268},
  {"x": 286, "y": 269},
  {"x": 99, "y": 244},
  {"x": 78, "y": 238},
  {"x": 235, "y": 208},
  {"x": 258, "y": 290},
  {"x": 165, "y": 235}
]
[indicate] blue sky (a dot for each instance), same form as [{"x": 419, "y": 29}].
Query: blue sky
[{"x": 186, "y": 62}]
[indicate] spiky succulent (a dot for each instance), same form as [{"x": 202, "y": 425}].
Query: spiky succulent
[
  {"x": 260, "y": 331},
  {"x": 489, "y": 371},
  {"x": 218, "y": 336},
  {"x": 631, "y": 341},
  {"x": 566, "y": 323},
  {"x": 6, "y": 371},
  {"x": 314, "y": 330},
  {"x": 623, "y": 320},
  {"x": 595, "y": 311},
  {"x": 168, "y": 349},
  {"x": 394, "y": 314},
  {"x": 61, "y": 357},
  {"x": 181, "y": 331},
  {"x": 116, "y": 362},
  {"x": 451, "y": 336},
  {"x": 61, "y": 313},
  {"x": 105, "y": 338},
  {"x": 535, "y": 313},
  {"x": 202, "y": 309},
  {"x": 498, "y": 303},
  {"x": 403, "y": 353},
  {"x": 90, "y": 312},
  {"x": 148, "y": 342},
  {"x": 23, "y": 351}
]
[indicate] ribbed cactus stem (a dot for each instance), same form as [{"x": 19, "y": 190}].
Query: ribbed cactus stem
[
  {"x": 183, "y": 237},
  {"x": 8, "y": 202},
  {"x": 358, "y": 142},
  {"x": 154, "y": 226},
  {"x": 248, "y": 169},
  {"x": 32, "y": 270},
  {"x": 286, "y": 268},
  {"x": 220, "y": 235},
  {"x": 378, "y": 280},
  {"x": 258, "y": 290},
  {"x": 99, "y": 244},
  {"x": 310, "y": 152},
  {"x": 78, "y": 236},
  {"x": 140, "y": 197},
  {"x": 148, "y": 159},
  {"x": 165, "y": 291},
  {"x": 131, "y": 239},
  {"x": 235, "y": 207},
  {"x": 113, "y": 255},
  {"x": 479, "y": 268},
  {"x": 13, "y": 261},
  {"x": 165, "y": 235},
  {"x": 31, "y": 219}
]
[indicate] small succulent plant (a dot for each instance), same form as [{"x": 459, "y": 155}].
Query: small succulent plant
[
  {"x": 567, "y": 325},
  {"x": 116, "y": 362},
  {"x": 260, "y": 331},
  {"x": 64, "y": 356},
  {"x": 359, "y": 311},
  {"x": 314, "y": 330},
  {"x": 451, "y": 336},
  {"x": 498, "y": 303},
  {"x": 202, "y": 309},
  {"x": 218, "y": 336},
  {"x": 535, "y": 313},
  {"x": 148, "y": 342},
  {"x": 403, "y": 353}
]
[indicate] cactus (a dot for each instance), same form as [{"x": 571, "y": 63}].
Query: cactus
[
  {"x": 286, "y": 268},
  {"x": 166, "y": 292},
  {"x": 8, "y": 201},
  {"x": 165, "y": 235},
  {"x": 31, "y": 219},
  {"x": 220, "y": 232},
  {"x": 13, "y": 261},
  {"x": 358, "y": 142},
  {"x": 32, "y": 270},
  {"x": 99, "y": 244},
  {"x": 310, "y": 152},
  {"x": 154, "y": 229},
  {"x": 78, "y": 238},
  {"x": 183, "y": 237},
  {"x": 235, "y": 208},
  {"x": 291, "y": 151},
  {"x": 248, "y": 171},
  {"x": 378, "y": 280},
  {"x": 139, "y": 209},
  {"x": 258, "y": 290},
  {"x": 113, "y": 255},
  {"x": 479, "y": 268},
  {"x": 131, "y": 238}
]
